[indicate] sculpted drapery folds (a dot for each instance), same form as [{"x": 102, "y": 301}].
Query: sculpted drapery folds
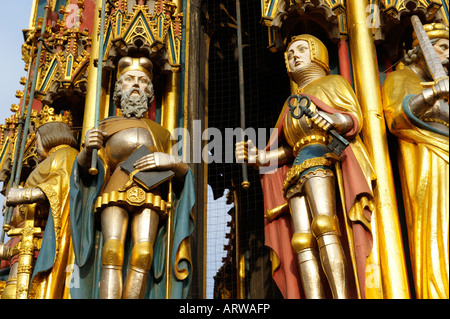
[
  {"x": 112, "y": 198},
  {"x": 47, "y": 187},
  {"x": 418, "y": 114},
  {"x": 311, "y": 242}
]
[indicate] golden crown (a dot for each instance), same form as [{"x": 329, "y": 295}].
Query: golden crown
[
  {"x": 139, "y": 64},
  {"x": 434, "y": 31},
  {"x": 47, "y": 115}
]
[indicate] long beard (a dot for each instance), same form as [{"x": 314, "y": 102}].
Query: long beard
[{"x": 134, "y": 106}]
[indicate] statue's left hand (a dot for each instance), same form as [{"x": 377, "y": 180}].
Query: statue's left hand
[{"x": 157, "y": 160}]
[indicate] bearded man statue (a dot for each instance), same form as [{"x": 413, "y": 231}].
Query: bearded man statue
[{"x": 120, "y": 200}]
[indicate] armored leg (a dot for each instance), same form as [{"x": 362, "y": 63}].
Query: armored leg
[
  {"x": 321, "y": 195},
  {"x": 114, "y": 227},
  {"x": 305, "y": 246},
  {"x": 144, "y": 227}
]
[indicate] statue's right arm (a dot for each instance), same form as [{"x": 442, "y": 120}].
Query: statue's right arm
[
  {"x": 94, "y": 140},
  {"x": 18, "y": 196},
  {"x": 247, "y": 152},
  {"x": 422, "y": 102}
]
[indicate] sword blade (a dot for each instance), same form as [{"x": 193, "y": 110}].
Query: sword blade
[{"x": 434, "y": 65}]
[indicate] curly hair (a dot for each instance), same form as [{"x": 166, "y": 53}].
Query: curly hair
[{"x": 415, "y": 53}]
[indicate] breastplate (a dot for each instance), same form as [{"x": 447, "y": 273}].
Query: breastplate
[
  {"x": 301, "y": 132},
  {"x": 122, "y": 144}
]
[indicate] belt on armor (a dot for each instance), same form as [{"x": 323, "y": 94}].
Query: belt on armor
[
  {"x": 134, "y": 196},
  {"x": 299, "y": 173},
  {"x": 307, "y": 140}
]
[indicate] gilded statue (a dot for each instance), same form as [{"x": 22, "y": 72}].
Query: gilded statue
[
  {"x": 122, "y": 200},
  {"x": 417, "y": 113},
  {"x": 308, "y": 245},
  {"x": 45, "y": 195}
]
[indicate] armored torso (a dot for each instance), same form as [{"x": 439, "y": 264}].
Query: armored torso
[
  {"x": 124, "y": 137},
  {"x": 122, "y": 144},
  {"x": 302, "y": 132}
]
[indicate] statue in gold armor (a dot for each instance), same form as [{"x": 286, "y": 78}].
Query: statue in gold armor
[
  {"x": 309, "y": 243},
  {"x": 46, "y": 191},
  {"x": 120, "y": 198},
  {"x": 417, "y": 112}
]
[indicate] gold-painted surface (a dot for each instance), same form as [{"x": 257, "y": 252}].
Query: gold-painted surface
[
  {"x": 433, "y": 31},
  {"x": 323, "y": 224},
  {"x": 183, "y": 254},
  {"x": 275, "y": 12},
  {"x": 424, "y": 174},
  {"x": 10, "y": 288},
  {"x": 142, "y": 256},
  {"x": 334, "y": 91},
  {"x": 135, "y": 64},
  {"x": 310, "y": 139},
  {"x": 365, "y": 73},
  {"x": 241, "y": 278},
  {"x": 240, "y": 272},
  {"x": 112, "y": 253},
  {"x": 52, "y": 177},
  {"x": 135, "y": 196},
  {"x": 444, "y": 13},
  {"x": 25, "y": 263},
  {"x": 395, "y": 9},
  {"x": 62, "y": 67},
  {"x": 2, "y": 288},
  {"x": 169, "y": 111},
  {"x": 273, "y": 213},
  {"x": 47, "y": 115},
  {"x": 301, "y": 241},
  {"x": 91, "y": 92},
  {"x": 157, "y": 30},
  {"x": 293, "y": 175},
  {"x": 169, "y": 120}
]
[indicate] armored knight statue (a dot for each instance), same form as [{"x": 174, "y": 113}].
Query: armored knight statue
[
  {"x": 121, "y": 200},
  {"x": 46, "y": 191},
  {"x": 417, "y": 112},
  {"x": 308, "y": 243}
]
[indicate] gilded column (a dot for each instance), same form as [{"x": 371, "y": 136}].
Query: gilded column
[
  {"x": 91, "y": 92},
  {"x": 169, "y": 120},
  {"x": 367, "y": 87},
  {"x": 169, "y": 110}
]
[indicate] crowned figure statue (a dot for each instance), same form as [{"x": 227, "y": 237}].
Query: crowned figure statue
[{"x": 127, "y": 199}]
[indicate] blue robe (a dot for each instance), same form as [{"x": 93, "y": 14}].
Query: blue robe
[{"x": 88, "y": 242}]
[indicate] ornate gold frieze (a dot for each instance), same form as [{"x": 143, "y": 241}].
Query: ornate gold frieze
[
  {"x": 135, "y": 196},
  {"x": 159, "y": 33},
  {"x": 396, "y": 8},
  {"x": 65, "y": 56},
  {"x": 276, "y": 12}
]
